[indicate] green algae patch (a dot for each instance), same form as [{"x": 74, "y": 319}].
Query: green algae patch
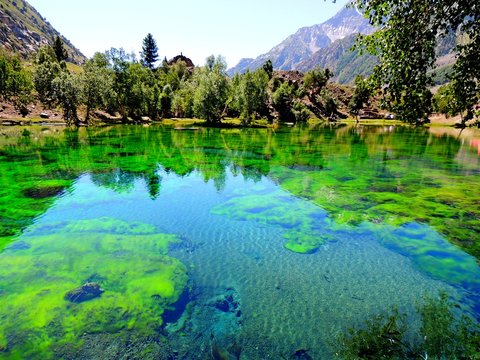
[
  {"x": 430, "y": 252},
  {"x": 302, "y": 222},
  {"x": 128, "y": 261},
  {"x": 305, "y": 242}
]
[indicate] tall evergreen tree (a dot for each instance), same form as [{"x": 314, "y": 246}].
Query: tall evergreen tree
[
  {"x": 149, "y": 54},
  {"x": 60, "y": 53}
]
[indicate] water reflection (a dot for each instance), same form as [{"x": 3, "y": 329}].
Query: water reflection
[
  {"x": 373, "y": 173},
  {"x": 266, "y": 213}
]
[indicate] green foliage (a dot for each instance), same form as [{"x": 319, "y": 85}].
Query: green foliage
[
  {"x": 211, "y": 91},
  {"x": 445, "y": 102},
  {"x": 166, "y": 98},
  {"x": 330, "y": 105},
  {"x": 66, "y": 90},
  {"x": 442, "y": 75},
  {"x": 360, "y": 96},
  {"x": 250, "y": 94},
  {"x": 406, "y": 46},
  {"x": 149, "y": 55},
  {"x": 300, "y": 111},
  {"x": 316, "y": 79},
  {"x": 120, "y": 63},
  {"x": 466, "y": 70},
  {"x": 61, "y": 53},
  {"x": 138, "y": 90},
  {"x": 47, "y": 70},
  {"x": 283, "y": 100},
  {"x": 442, "y": 335},
  {"x": 96, "y": 84},
  {"x": 268, "y": 68},
  {"x": 46, "y": 54},
  {"x": 15, "y": 82},
  {"x": 183, "y": 99}
]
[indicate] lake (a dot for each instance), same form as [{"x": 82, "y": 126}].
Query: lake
[{"x": 154, "y": 242}]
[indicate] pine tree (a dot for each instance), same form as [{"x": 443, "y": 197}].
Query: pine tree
[
  {"x": 149, "y": 54},
  {"x": 60, "y": 52}
]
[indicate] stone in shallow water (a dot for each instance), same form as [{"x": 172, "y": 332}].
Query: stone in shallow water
[
  {"x": 85, "y": 292},
  {"x": 43, "y": 192},
  {"x": 301, "y": 355}
]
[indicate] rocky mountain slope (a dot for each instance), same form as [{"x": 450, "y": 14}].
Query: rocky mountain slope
[
  {"x": 299, "y": 47},
  {"x": 24, "y": 30},
  {"x": 341, "y": 60}
]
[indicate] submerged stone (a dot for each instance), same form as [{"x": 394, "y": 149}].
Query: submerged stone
[
  {"x": 301, "y": 355},
  {"x": 43, "y": 192},
  {"x": 86, "y": 292}
]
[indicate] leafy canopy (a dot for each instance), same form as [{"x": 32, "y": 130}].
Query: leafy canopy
[{"x": 409, "y": 31}]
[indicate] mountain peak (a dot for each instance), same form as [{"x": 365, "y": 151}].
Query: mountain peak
[{"x": 299, "y": 47}]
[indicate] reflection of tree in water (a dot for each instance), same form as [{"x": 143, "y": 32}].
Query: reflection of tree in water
[
  {"x": 122, "y": 181},
  {"x": 119, "y": 181},
  {"x": 154, "y": 183},
  {"x": 390, "y": 168}
]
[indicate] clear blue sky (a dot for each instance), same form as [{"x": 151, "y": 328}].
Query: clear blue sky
[{"x": 234, "y": 29}]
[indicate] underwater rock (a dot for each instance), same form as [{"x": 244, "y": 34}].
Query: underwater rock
[
  {"x": 227, "y": 303},
  {"x": 83, "y": 293},
  {"x": 301, "y": 354},
  {"x": 43, "y": 192}
]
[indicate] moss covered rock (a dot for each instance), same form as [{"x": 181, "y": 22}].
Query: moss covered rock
[{"x": 128, "y": 261}]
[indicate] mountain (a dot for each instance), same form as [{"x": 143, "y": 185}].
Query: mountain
[
  {"x": 307, "y": 41},
  {"x": 24, "y": 30},
  {"x": 341, "y": 60}
]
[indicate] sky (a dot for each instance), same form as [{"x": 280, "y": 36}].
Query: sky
[{"x": 233, "y": 29}]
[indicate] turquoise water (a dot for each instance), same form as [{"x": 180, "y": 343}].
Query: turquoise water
[{"x": 208, "y": 245}]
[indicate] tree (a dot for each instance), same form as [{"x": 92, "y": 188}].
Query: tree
[
  {"x": 149, "y": 55},
  {"x": 66, "y": 91},
  {"x": 405, "y": 43},
  {"x": 15, "y": 82},
  {"x": 211, "y": 92},
  {"x": 60, "y": 53},
  {"x": 360, "y": 96},
  {"x": 138, "y": 90},
  {"x": 316, "y": 79},
  {"x": 268, "y": 67},
  {"x": 45, "y": 73},
  {"x": 183, "y": 100},
  {"x": 250, "y": 94},
  {"x": 119, "y": 63},
  {"x": 283, "y": 101},
  {"x": 96, "y": 83}
]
